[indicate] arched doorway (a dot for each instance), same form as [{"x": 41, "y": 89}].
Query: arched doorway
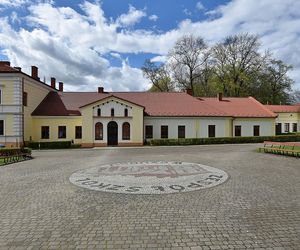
[{"x": 112, "y": 133}]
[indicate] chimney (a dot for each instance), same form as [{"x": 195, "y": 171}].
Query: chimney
[
  {"x": 189, "y": 92},
  {"x": 61, "y": 86},
  {"x": 100, "y": 90},
  {"x": 220, "y": 96},
  {"x": 7, "y": 63},
  {"x": 53, "y": 81},
  {"x": 18, "y": 68},
  {"x": 34, "y": 72}
]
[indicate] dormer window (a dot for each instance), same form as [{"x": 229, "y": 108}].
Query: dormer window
[
  {"x": 112, "y": 112},
  {"x": 98, "y": 112},
  {"x": 126, "y": 112}
]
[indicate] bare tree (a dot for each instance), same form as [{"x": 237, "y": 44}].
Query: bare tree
[
  {"x": 159, "y": 76},
  {"x": 187, "y": 59}
]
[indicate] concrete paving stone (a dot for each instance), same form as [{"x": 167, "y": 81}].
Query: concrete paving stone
[{"x": 258, "y": 207}]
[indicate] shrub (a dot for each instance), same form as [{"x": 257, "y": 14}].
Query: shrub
[
  {"x": 222, "y": 140},
  {"x": 50, "y": 145},
  {"x": 14, "y": 151}
]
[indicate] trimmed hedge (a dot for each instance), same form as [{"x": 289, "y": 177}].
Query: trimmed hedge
[
  {"x": 50, "y": 145},
  {"x": 14, "y": 151},
  {"x": 222, "y": 140}
]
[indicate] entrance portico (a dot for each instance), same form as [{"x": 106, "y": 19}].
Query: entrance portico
[{"x": 112, "y": 122}]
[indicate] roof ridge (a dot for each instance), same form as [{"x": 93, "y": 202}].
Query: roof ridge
[{"x": 263, "y": 106}]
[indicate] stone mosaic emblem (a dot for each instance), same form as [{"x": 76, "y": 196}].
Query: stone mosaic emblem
[{"x": 149, "y": 177}]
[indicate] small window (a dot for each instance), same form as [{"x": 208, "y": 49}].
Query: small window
[
  {"x": 126, "y": 112},
  {"x": 256, "y": 131},
  {"x": 181, "y": 131},
  {"x": 149, "y": 132},
  {"x": 78, "y": 132},
  {"x": 1, "y": 127},
  {"x": 286, "y": 127},
  {"x": 126, "y": 131},
  {"x": 62, "y": 132},
  {"x": 164, "y": 134},
  {"x": 25, "y": 97},
  {"x": 45, "y": 132},
  {"x": 98, "y": 112},
  {"x": 238, "y": 130},
  {"x": 211, "y": 130},
  {"x": 0, "y": 96},
  {"x": 295, "y": 127},
  {"x": 112, "y": 112},
  {"x": 98, "y": 131}
]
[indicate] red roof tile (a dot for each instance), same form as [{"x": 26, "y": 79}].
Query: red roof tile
[
  {"x": 156, "y": 104},
  {"x": 52, "y": 105},
  {"x": 239, "y": 107},
  {"x": 284, "y": 108}
]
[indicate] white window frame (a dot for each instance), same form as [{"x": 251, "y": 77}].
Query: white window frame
[{"x": 287, "y": 127}]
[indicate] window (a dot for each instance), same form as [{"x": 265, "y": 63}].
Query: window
[
  {"x": 45, "y": 132},
  {"x": 62, "y": 132},
  {"x": 0, "y": 96},
  {"x": 181, "y": 131},
  {"x": 295, "y": 127},
  {"x": 126, "y": 112},
  {"x": 1, "y": 127},
  {"x": 164, "y": 132},
  {"x": 287, "y": 127},
  {"x": 126, "y": 131},
  {"x": 99, "y": 112},
  {"x": 98, "y": 131},
  {"x": 211, "y": 130},
  {"x": 256, "y": 131},
  {"x": 112, "y": 112},
  {"x": 149, "y": 132},
  {"x": 278, "y": 128},
  {"x": 78, "y": 132},
  {"x": 238, "y": 130},
  {"x": 25, "y": 95}
]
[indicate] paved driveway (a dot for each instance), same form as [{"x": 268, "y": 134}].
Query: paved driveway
[{"x": 257, "y": 207}]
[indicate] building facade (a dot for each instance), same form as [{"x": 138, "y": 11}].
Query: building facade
[{"x": 31, "y": 110}]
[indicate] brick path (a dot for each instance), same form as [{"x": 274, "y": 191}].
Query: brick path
[{"x": 257, "y": 208}]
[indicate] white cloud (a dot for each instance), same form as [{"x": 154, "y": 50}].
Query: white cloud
[
  {"x": 132, "y": 17},
  {"x": 159, "y": 59},
  {"x": 116, "y": 55},
  {"x": 14, "y": 17},
  {"x": 14, "y": 3},
  {"x": 200, "y": 6},
  {"x": 71, "y": 45},
  {"x": 187, "y": 12},
  {"x": 153, "y": 18}
]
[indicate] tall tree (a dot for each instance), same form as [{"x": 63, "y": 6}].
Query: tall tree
[
  {"x": 236, "y": 59},
  {"x": 159, "y": 77},
  {"x": 187, "y": 59},
  {"x": 276, "y": 85}
]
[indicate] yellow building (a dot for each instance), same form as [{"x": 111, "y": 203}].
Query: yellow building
[
  {"x": 288, "y": 120},
  {"x": 32, "y": 110}
]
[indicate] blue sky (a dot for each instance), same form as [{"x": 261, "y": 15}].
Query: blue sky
[{"x": 92, "y": 43}]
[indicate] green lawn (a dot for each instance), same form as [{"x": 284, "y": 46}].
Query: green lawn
[{"x": 4, "y": 163}]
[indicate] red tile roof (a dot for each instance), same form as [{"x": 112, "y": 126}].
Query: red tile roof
[
  {"x": 284, "y": 108},
  {"x": 155, "y": 104},
  {"x": 239, "y": 107}
]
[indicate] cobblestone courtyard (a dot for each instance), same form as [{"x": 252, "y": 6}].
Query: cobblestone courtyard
[{"x": 258, "y": 207}]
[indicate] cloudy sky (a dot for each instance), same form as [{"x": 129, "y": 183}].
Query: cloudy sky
[{"x": 91, "y": 43}]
